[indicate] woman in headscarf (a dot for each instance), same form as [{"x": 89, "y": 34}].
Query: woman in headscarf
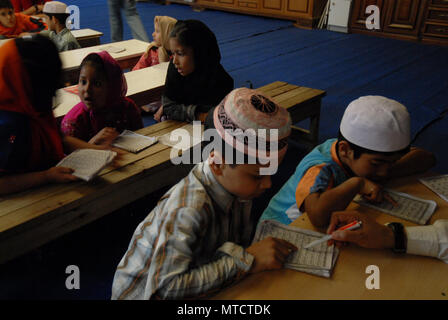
[
  {"x": 104, "y": 110},
  {"x": 196, "y": 81},
  {"x": 30, "y": 143}
]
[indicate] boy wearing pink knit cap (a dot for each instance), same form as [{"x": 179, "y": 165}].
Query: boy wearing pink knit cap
[{"x": 198, "y": 238}]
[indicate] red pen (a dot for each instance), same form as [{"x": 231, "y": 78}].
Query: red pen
[{"x": 351, "y": 226}]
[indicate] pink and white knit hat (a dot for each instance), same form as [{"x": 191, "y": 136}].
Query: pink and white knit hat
[{"x": 244, "y": 109}]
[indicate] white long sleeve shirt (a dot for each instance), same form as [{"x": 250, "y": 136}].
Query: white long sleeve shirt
[{"x": 430, "y": 240}]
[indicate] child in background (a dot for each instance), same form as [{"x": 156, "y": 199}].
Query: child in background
[
  {"x": 159, "y": 49},
  {"x": 198, "y": 238},
  {"x": 104, "y": 110},
  {"x": 30, "y": 142},
  {"x": 14, "y": 25},
  {"x": 373, "y": 146},
  {"x": 196, "y": 81},
  {"x": 61, "y": 36},
  {"x": 29, "y": 7}
]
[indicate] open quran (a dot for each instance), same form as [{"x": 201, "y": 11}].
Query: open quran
[{"x": 318, "y": 260}]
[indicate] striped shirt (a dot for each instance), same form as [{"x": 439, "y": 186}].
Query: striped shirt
[{"x": 190, "y": 245}]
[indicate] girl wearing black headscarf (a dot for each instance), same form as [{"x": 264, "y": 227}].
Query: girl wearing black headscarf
[{"x": 196, "y": 81}]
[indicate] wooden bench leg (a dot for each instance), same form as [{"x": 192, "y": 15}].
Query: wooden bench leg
[{"x": 308, "y": 138}]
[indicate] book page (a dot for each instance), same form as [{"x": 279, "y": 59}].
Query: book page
[
  {"x": 409, "y": 207},
  {"x": 112, "y": 49},
  {"x": 182, "y": 138},
  {"x": 87, "y": 163},
  {"x": 438, "y": 184},
  {"x": 319, "y": 260},
  {"x": 133, "y": 142}
]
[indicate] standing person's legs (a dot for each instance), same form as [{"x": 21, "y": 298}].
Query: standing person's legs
[
  {"x": 116, "y": 24},
  {"x": 134, "y": 22}
]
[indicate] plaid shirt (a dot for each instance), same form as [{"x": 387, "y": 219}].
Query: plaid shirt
[{"x": 190, "y": 245}]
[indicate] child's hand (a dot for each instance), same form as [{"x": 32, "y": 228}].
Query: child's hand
[
  {"x": 370, "y": 235},
  {"x": 158, "y": 114},
  {"x": 371, "y": 191},
  {"x": 269, "y": 253},
  {"x": 60, "y": 175},
  {"x": 105, "y": 137}
]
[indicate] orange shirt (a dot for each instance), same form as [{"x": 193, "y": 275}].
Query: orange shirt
[{"x": 24, "y": 23}]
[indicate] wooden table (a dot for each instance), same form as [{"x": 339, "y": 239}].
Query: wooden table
[
  {"x": 144, "y": 86},
  {"x": 302, "y": 103},
  {"x": 71, "y": 60},
  {"x": 32, "y": 218},
  {"x": 87, "y": 37},
  {"x": 401, "y": 276}
]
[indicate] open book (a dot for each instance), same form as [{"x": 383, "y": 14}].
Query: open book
[
  {"x": 438, "y": 184},
  {"x": 318, "y": 260},
  {"x": 87, "y": 163},
  {"x": 133, "y": 142},
  {"x": 183, "y": 138},
  {"x": 112, "y": 49},
  {"x": 409, "y": 208}
]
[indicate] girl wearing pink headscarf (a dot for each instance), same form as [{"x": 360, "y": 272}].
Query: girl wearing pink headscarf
[{"x": 104, "y": 110}]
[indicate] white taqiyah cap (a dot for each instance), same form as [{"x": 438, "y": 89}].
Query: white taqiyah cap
[
  {"x": 377, "y": 123},
  {"x": 55, "y": 7}
]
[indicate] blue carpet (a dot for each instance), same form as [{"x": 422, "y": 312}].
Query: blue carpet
[{"x": 261, "y": 50}]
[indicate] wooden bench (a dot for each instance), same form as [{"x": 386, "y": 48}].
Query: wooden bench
[
  {"x": 144, "y": 86},
  {"x": 71, "y": 60},
  {"x": 87, "y": 37},
  {"x": 32, "y": 218},
  {"x": 302, "y": 103}
]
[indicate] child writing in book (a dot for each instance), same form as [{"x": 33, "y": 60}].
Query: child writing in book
[
  {"x": 196, "y": 80},
  {"x": 14, "y": 25},
  {"x": 57, "y": 15},
  {"x": 198, "y": 238},
  {"x": 373, "y": 146},
  {"x": 159, "y": 49},
  {"x": 104, "y": 110},
  {"x": 30, "y": 142}
]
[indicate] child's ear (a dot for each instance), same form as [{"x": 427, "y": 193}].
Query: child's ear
[
  {"x": 344, "y": 149},
  {"x": 216, "y": 163}
]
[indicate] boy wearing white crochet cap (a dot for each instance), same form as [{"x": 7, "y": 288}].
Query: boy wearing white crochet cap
[
  {"x": 58, "y": 32},
  {"x": 373, "y": 146}
]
